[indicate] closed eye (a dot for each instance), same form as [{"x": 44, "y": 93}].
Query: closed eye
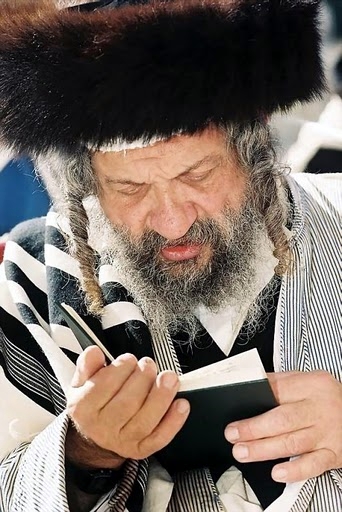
[
  {"x": 130, "y": 189},
  {"x": 197, "y": 175}
]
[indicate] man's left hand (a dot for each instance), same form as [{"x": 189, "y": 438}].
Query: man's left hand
[{"x": 306, "y": 424}]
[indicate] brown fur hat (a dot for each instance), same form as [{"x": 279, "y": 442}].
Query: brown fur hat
[{"x": 73, "y": 77}]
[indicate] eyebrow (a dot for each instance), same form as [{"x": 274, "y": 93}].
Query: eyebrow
[{"x": 214, "y": 158}]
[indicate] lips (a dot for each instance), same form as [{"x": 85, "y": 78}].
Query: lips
[{"x": 181, "y": 252}]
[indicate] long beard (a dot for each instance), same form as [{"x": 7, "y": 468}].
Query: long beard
[{"x": 169, "y": 293}]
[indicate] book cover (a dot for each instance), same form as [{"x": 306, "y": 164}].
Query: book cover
[{"x": 201, "y": 441}]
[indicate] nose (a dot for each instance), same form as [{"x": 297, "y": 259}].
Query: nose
[{"x": 172, "y": 218}]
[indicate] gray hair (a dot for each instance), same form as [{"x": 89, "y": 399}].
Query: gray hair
[
  {"x": 70, "y": 180},
  {"x": 255, "y": 150}
]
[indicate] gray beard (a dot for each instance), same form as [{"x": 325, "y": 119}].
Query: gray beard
[{"x": 169, "y": 293}]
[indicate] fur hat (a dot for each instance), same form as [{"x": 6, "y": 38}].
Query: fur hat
[{"x": 151, "y": 68}]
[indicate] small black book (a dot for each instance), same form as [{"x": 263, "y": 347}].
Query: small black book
[{"x": 229, "y": 390}]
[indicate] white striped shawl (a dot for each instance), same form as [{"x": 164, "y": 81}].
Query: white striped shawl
[{"x": 37, "y": 352}]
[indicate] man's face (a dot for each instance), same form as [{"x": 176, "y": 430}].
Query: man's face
[
  {"x": 168, "y": 188},
  {"x": 183, "y": 230}
]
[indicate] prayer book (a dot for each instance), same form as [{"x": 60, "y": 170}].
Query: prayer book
[
  {"x": 229, "y": 390},
  {"x": 232, "y": 389}
]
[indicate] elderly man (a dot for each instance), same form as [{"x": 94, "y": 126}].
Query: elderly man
[{"x": 180, "y": 241}]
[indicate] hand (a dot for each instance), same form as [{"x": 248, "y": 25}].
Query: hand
[
  {"x": 125, "y": 408},
  {"x": 307, "y": 423}
]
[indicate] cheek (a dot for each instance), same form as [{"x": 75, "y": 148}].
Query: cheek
[
  {"x": 122, "y": 215},
  {"x": 236, "y": 199},
  {"x": 235, "y": 190},
  {"x": 228, "y": 192}
]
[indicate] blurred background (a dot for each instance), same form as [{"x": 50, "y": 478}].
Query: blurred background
[{"x": 310, "y": 137}]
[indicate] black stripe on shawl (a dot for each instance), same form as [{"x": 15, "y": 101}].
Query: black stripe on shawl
[
  {"x": 63, "y": 287},
  {"x": 70, "y": 354},
  {"x": 30, "y": 236},
  {"x": 132, "y": 336},
  {"x": 56, "y": 238},
  {"x": 115, "y": 292},
  {"x": 37, "y": 297}
]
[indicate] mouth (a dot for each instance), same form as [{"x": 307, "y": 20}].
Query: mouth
[{"x": 181, "y": 252}]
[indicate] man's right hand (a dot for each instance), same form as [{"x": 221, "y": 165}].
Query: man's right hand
[{"x": 121, "y": 411}]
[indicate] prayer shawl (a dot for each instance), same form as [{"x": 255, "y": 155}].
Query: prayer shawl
[{"x": 38, "y": 354}]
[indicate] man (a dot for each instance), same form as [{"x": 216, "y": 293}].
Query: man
[{"x": 179, "y": 240}]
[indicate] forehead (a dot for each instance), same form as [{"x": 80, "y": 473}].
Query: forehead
[{"x": 177, "y": 153}]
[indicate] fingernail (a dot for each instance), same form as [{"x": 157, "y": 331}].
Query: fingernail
[
  {"x": 231, "y": 434},
  {"x": 169, "y": 380},
  {"x": 279, "y": 474},
  {"x": 145, "y": 361},
  {"x": 183, "y": 406},
  {"x": 125, "y": 357},
  {"x": 240, "y": 452}
]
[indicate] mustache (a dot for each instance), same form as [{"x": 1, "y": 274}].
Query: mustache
[{"x": 202, "y": 232}]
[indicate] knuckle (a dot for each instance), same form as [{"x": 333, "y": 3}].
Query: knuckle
[
  {"x": 132, "y": 404},
  {"x": 332, "y": 459},
  {"x": 248, "y": 429},
  {"x": 325, "y": 378},
  {"x": 283, "y": 419},
  {"x": 150, "y": 371},
  {"x": 167, "y": 383},
  {"x": 292, "y": 445},
  {"x": 139, "y": 432},
  {"x": 148, "y": 446},
  {"x": 318, "y": 465},
  {"x": 159, "y": 439}
]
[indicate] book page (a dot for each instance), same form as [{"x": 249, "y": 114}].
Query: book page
[{"x": 240, "y": 368}]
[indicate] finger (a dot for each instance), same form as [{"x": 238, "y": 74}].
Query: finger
[
  {"x": 280, "y": 420},
  {"x": 286, "y": 445},
  {"x": 106, "y": 382},
  {"x": 88, "y": 363},
  {"x": 287, "y": 385},
  {"x": 155, "y": 406},
  {"x": 130, "y": 398},
  {"x": 163, "y": 434},
  {"x": 296, "y": 386},
  {"x": 306, "y": 466}
]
